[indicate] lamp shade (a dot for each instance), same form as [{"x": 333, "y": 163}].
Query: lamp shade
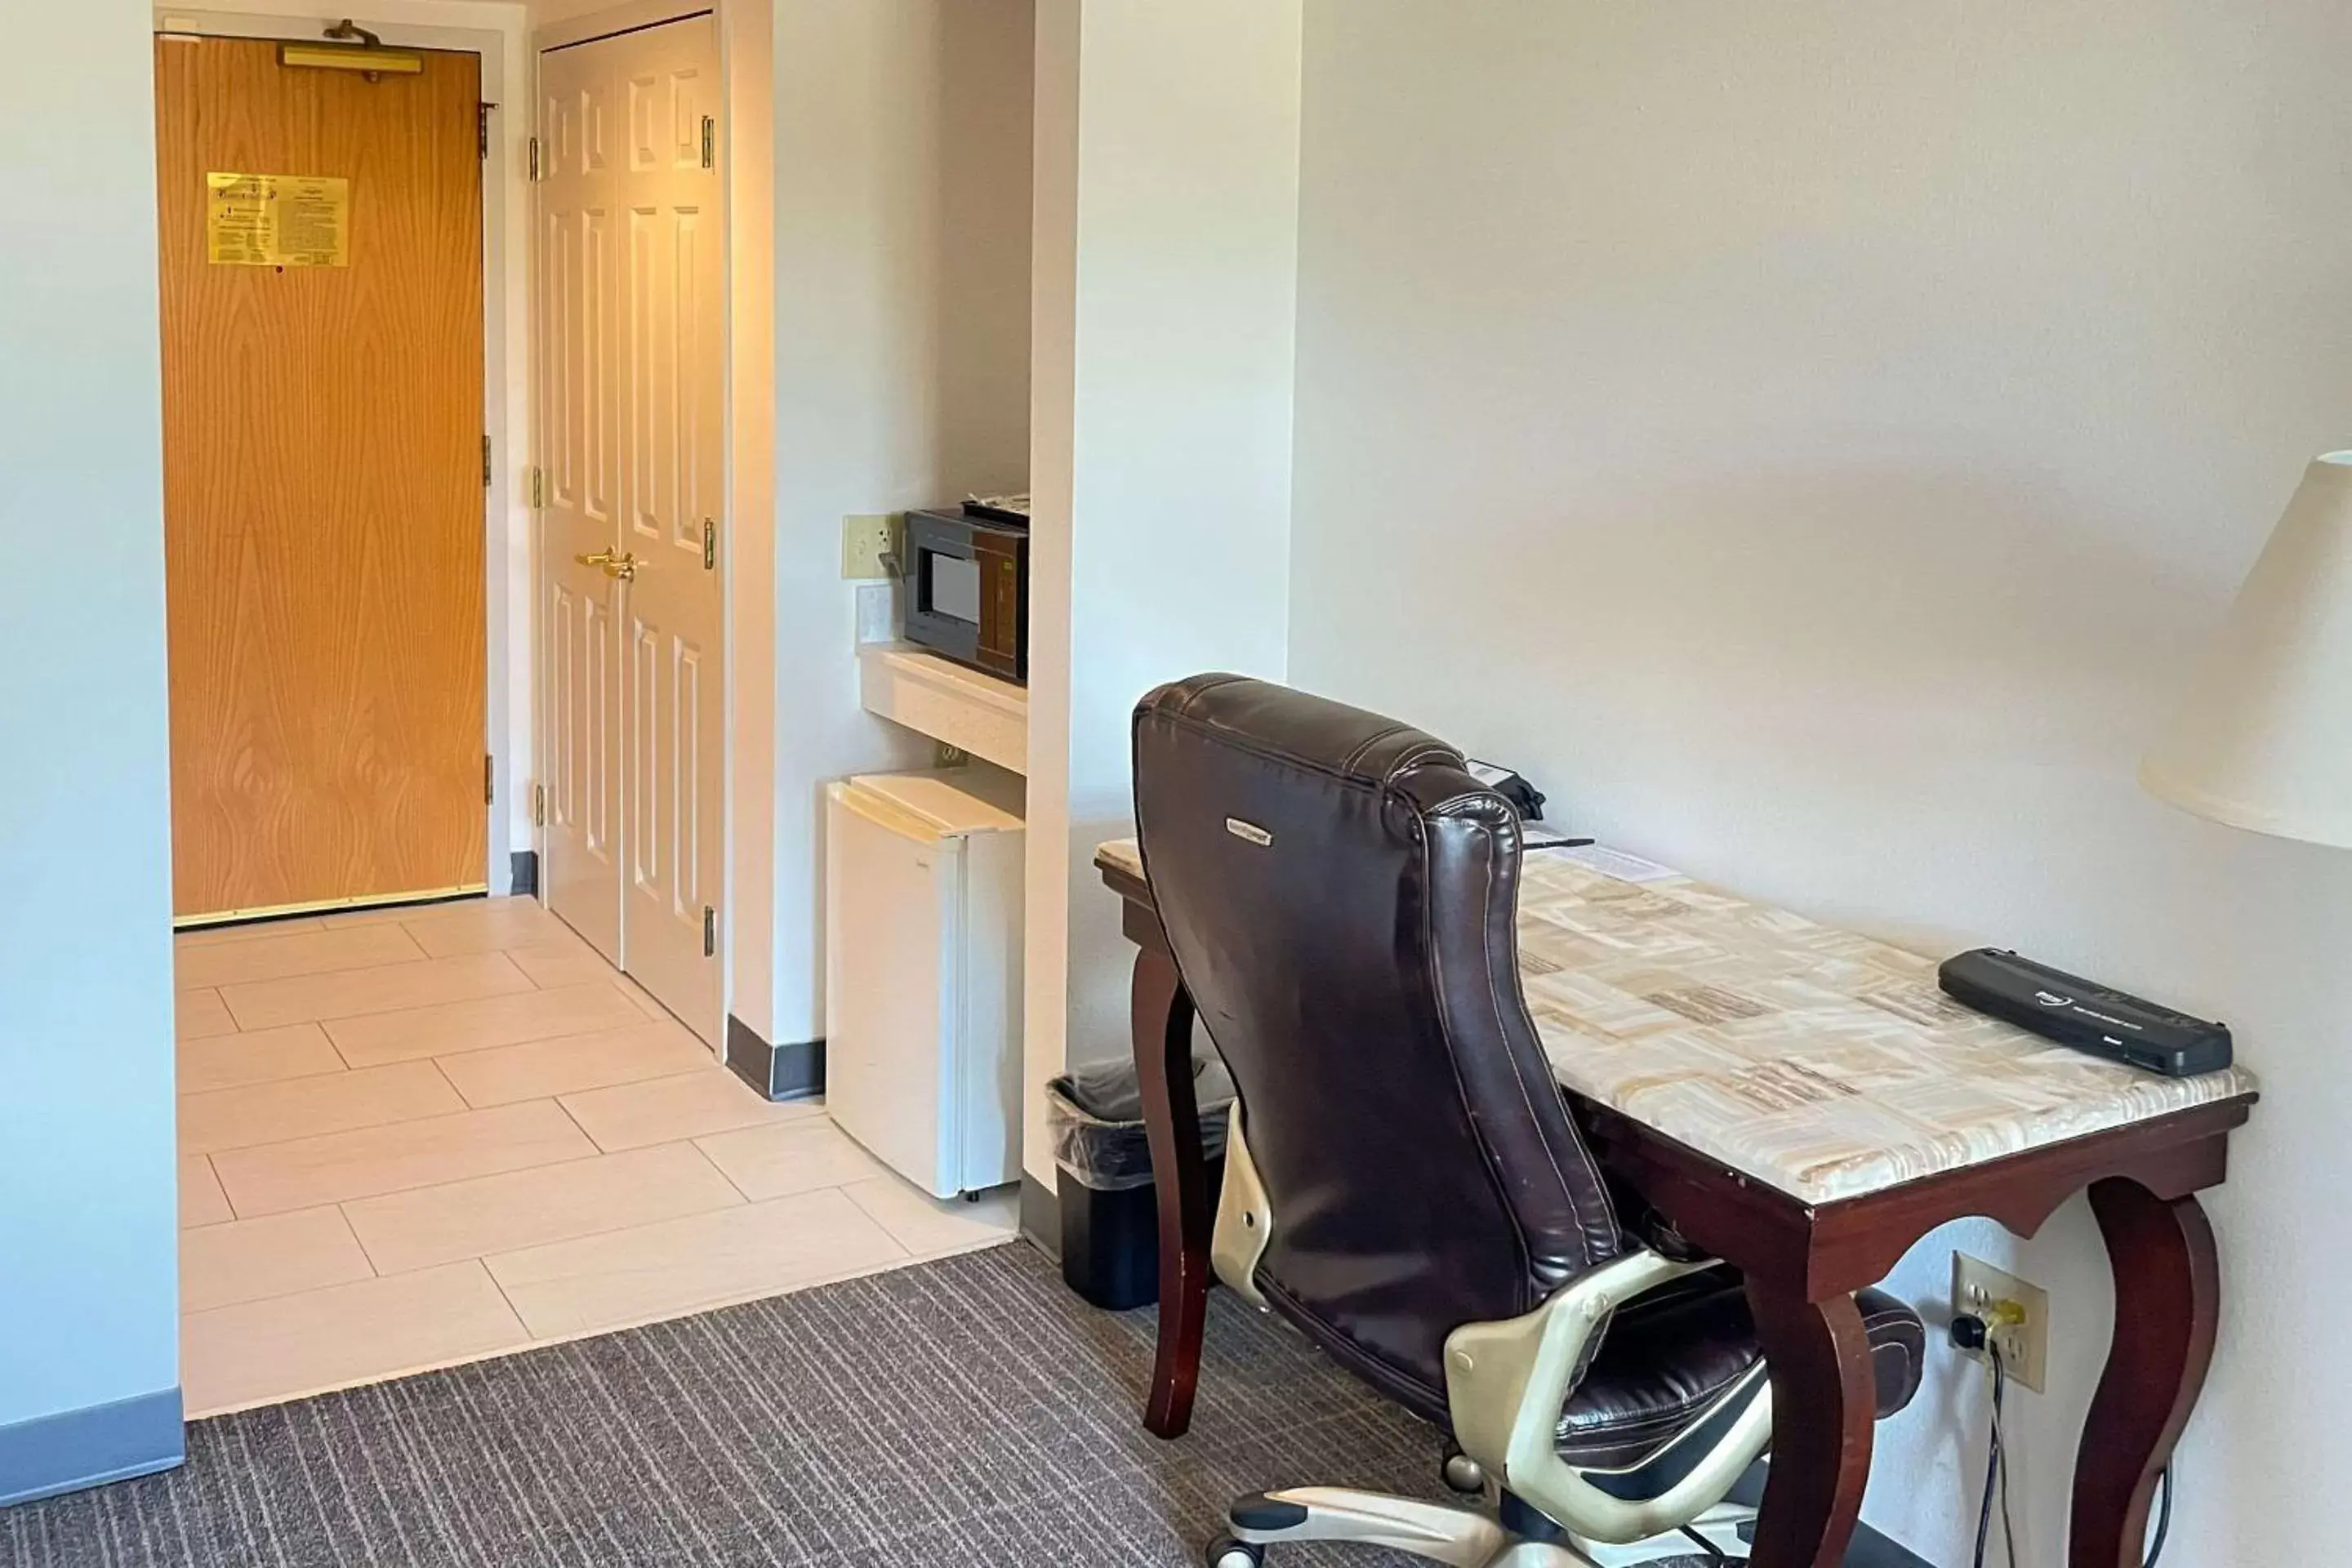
[{"x": 2263, "y": 737}]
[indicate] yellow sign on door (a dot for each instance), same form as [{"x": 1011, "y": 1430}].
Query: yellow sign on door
[{"x": 277, "y": 220}]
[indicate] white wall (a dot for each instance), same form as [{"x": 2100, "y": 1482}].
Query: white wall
[
  {"x": 1047, "y": 864},
  {"x": 88, "y": 1229},
  {"x": 902, "y": 331},
  {"x": 1166, "y": 222},
  {"x": 747, "y": 43},
  {"x": 1810, "y": 439},
  {"x": 547, "y": 12}
]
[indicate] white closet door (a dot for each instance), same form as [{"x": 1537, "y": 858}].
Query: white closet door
[
  {"x": 580, "y": 609},
  {"x": 645, "y": 710},
  {"x": 672, "y": 314}
]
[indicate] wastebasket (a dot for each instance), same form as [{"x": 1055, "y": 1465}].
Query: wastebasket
[{"x": 1110, "y": 1218}]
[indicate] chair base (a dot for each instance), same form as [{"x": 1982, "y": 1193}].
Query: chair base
[{"x": 1440, "y": 1532}]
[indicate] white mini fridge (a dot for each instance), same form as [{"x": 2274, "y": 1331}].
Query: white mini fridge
[{"x": 922, "y": 970}]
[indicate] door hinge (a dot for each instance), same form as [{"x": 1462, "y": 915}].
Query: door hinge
[
  {"x": 710, "y": 544},
  {"x": 539, "y": 805},
  {"x": 710, "y": 142},
  {"x": 486, "y": 462},
  {"x": 482, "y": 129},
  {"x": 535, "y": 173},
  {"x": 538, "y": 487},
  {"x": 489, "y": 780},
  {"x": 709, "y": 931}
]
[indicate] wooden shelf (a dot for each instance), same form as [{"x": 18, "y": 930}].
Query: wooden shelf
[{"x": 936, "y": 696}]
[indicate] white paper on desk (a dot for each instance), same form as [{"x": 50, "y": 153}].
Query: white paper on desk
[{"x": 1616, "y": 863}]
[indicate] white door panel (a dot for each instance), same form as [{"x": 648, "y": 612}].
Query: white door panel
[
  {"x": 581, "y": 655},
  {"x": 675, "y": 466},
  {"x": 634, "y": 441}
]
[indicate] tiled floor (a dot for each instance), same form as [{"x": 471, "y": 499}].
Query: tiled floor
[{"x": 413, "y": 1138}]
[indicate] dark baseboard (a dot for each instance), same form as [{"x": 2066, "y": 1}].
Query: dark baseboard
[
  {"x": 526, "y": 873},
  {"x": 1041, "y": 1215},
  {"x": 78, "y": 1448},
  {"x": 780, "y": 1072},
  {"x": 1868, "y": 1549},
  {"x": 1871, "y": 1550}
]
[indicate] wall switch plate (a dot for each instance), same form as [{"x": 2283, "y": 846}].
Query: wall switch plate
[
  {"x": 1978, "y": 1289},
  {"x": 878, "y": 612},
  {"x": 865, "y": 538}
]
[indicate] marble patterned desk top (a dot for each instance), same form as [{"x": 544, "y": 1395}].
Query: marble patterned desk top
[{"x": 1819, "y": 1062}]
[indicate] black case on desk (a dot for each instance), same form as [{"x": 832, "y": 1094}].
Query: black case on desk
[{"x": 2084, "y": 1015}]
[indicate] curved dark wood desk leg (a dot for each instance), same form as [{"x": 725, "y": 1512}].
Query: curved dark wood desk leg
[
  {"x": 2168, "y": 1305},
  {"x": 1160, "y": 1014},
  {"x": 1823, "y": 1405}
]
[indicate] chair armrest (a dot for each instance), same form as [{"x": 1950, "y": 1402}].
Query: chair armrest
[{"x": 1507, "y": 1384}]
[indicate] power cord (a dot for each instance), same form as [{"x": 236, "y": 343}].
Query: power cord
[
  {"x": 1984, "y": 1514},
  {"x": 2000, "y": 1445},
  {"x": 2163, "y": 1519},
  {"x": 1715, "y": 1557},
  {"x": 1972, "y": 1334}
]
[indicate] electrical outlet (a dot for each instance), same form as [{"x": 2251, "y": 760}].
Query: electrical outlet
[
  {"x": 2016, "y": 1313},
  {"x": 866, "y": 539}
]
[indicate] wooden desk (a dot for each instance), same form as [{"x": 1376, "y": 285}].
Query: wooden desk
[{"x": 1803, "y": 1103}]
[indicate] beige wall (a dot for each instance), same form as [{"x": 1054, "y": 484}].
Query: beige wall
[
  {"x": 902, "y": 361},
  {"x": 747, "y": 36},
  {"x": 1166, "y": 241},
  {"x": 89, "y": 1231},
  {"x": 1810, "y": 439}
]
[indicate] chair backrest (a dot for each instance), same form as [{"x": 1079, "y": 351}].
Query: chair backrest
[{"x": 1340, "y": 893}]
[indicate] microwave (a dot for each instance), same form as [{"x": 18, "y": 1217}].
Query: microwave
[{"x": 964, "y": 581}]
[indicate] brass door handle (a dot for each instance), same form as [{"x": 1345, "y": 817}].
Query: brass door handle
[{"x": 622, "y": 566}]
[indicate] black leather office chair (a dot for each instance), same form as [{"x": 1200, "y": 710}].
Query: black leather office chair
[{"x": 1404, "y": 1181}]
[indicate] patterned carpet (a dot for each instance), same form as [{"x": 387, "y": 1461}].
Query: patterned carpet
[{"x": 964, "y": 1413}]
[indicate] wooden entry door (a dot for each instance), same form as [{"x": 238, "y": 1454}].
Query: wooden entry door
[
  {"x": 323, "y": 461},
  {"x": 632, "y": 380}
]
